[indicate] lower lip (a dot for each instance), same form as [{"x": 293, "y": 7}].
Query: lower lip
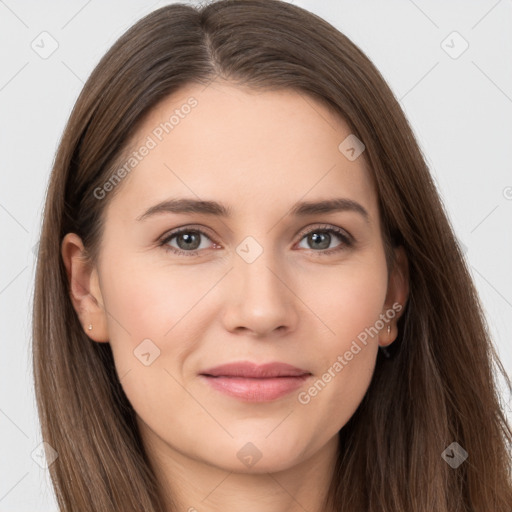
[{"x": 256, "y": 390}]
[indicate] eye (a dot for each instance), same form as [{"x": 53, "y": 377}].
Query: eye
[
  {"x": 188, "y": 241},
  {"x": 322, "y": 236}
]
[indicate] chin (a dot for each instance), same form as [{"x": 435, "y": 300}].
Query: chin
[{"x": 259, "y": 456}]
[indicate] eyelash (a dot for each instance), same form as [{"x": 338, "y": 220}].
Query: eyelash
[{"x": 347, "y": 241}]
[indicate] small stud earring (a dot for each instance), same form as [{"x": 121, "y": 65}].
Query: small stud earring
[
  {"x": 90, "y": 327},
  {"x": 389, "y": 329}
]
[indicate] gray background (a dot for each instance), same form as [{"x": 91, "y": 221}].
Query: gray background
[{"x": 460, "y": 109}]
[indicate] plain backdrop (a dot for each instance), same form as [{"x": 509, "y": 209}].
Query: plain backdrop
[{"x": 457, "y": 99}]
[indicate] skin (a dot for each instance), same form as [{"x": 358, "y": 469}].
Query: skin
[{"x": 258, "y": 153}]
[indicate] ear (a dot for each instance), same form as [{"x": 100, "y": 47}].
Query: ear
[
  {"x": 397, "y": 295},
  {"x": 84, "y": 288}
]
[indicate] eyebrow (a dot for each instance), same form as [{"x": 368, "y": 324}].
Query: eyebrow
[{"x": 300, "y": 209}]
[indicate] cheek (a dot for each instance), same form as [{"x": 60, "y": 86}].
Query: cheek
[
  {"x": 347, "y": 300},
  {"x": 349, "y": 305},
  {"x": 147, "y": 300},
  {"x": 153, "y": 323},
  {"x": 157, "y": 317}
]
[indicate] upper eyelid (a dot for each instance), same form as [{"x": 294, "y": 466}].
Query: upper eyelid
[
  {"x": 325, "y": 227},
  {"x": 170, "y": 234}
]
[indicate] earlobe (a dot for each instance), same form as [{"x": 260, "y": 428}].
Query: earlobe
[
  {"x": 397, "y": 295},
  {"x": 83, "y": 288}
]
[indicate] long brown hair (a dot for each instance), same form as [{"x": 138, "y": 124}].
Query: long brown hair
[{"x": 439, "y": 383}]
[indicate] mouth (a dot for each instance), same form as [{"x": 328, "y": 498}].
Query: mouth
[{"x": 258, "y": 383}]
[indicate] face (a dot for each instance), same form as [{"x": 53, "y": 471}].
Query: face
[{"x": 261, "y": 276}]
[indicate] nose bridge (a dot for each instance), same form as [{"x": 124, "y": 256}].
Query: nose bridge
[
  {"x": 258, "y": 271},
  {"x": 256, "y": 267}
]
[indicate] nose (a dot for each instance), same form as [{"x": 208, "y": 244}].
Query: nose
[{"x": 260, "y": 299}]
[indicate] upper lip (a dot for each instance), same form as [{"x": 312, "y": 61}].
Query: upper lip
[{"x": 248, "y": 370}]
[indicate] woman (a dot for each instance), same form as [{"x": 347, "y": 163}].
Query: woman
[{"x": 248, "y": 293}]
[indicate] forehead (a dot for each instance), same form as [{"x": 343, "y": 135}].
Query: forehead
[{"x": 243, "y": 147}]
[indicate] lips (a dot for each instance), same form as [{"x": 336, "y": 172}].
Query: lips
[
  {"x": 257, "y": 383},
  {"x": 250, "y": 370}
]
